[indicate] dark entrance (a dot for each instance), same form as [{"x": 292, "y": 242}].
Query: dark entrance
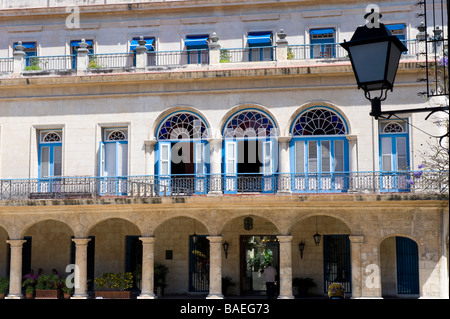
[
  {"x": 256, "y": 252},
  {"x": 249, "y": 166},
  {"x": 198, "y": 263}
]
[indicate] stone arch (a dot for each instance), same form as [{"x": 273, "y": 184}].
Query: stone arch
[
  {"x": 241, "y": 107},
  {"x": 393, "y": 278},
  {"x": 51, "y": 245},
  {"x": 175, "y": 109},
  {"x": 318, "y": 104}
]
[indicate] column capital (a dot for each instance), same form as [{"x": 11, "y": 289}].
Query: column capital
[
  {"x": 215, "y": 239},
  {"x": 16, "y": 242},
  {"x": 81, "y": 241},
  {"x": 352, "y": 138},
  {"x": 147, "y": 240},
  {"x": 284, "y": 139},
  {"x": 285, "y": 238},
  {"x": 150, "y": 142},
  {"x": 357, "y": 239}
]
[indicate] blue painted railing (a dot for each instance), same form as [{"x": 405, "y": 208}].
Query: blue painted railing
[{"x": 188, "y": 185}]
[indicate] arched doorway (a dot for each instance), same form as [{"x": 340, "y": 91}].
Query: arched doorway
[
  {"x": 182, "y": 246},
  {"x": 48, "y": 246},
  {"x": 250, "y": 152},
  {"x": 324, "y": 261},
  {"x": 181, "y": 154},
  {"x": 399, "y": 267},
  {"x": 252, "y": 245}
]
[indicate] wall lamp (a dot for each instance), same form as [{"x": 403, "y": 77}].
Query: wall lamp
[
  {"x": 301, "y": 247},
  {"x": 225, "y": 249}
]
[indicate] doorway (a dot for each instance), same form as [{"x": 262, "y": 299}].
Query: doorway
[
  {"x": 257, "y": 252},
  {"x": 249, "y": 166}
]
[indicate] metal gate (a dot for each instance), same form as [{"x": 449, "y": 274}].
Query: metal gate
[
  {"x": 407, "y": 266},
  {"x": 337, "y": 267},
  {"x": 198, "y": 264}
]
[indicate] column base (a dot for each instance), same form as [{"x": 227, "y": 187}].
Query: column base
[
  {"x": 14, "y": 296},
  {"x": 80, "y": 297},
  {"x": 147, "y": 296},
  {"x": 215, "y": 296},
  {"x": 286, "y": 297}
]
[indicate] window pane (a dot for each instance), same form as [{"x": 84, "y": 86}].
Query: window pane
[
  {"x": 338, "y": 156},
  {"x": 45, "y": 161},
  {"x": 300, "y": 157},
  {"x": 165, "y": 149},
  {"x": 57, "y": 161},
  {"x": 230, "y": 158},
  {"x": 312, "y": 156},
  {"x": 199, "y": 158},
  {"x": 122, "y": 157},
  {"x": 110, "y": 159},
  {"x": 386, "y": 153},
  {"x": 326, "y": 158},
  {"x": 402, "y": 163}
]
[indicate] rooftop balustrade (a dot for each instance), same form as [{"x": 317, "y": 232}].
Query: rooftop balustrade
[{"x": 144, "y": 60}]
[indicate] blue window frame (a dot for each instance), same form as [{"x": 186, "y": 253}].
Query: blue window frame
[
  {"x": 249, "y": 152},
  {"x": 260, "y": 46},
  {"x": 322, "y": 43},
  {"x": 319, "y": 151},
  {"x": 113, "y": 156},
  {"x": 398, "y": 30},
  {"x": 50, "y": 160},
  {"x": 182, "y": 153},
  {"x": 394, "y": 155},
  {"x": 197, "y": 47}
]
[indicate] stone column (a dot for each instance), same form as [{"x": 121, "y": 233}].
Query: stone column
[
  {"x": 285, "y": 267},
  {"x": 82, "y": 57},
  {"x": 353, "y": 150},
  {"x": 150, "y": 157},
  {"x": 215, "y": 267},
  {"x": 215, "y": 182},
  {"x": 15, "y": 275},
  {"x": 148, "y": 268},
  {"x": 19, "y": 59},
  {"x": 141, "y": 54},
  {"x": 356, "y": 242},
  {"x": 81, "y": 245},
  {"x": 284, "y": 164},
  {"x": 214, "y": 50}
]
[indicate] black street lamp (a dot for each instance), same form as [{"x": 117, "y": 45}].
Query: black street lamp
[{"x": 375, "y": 54}]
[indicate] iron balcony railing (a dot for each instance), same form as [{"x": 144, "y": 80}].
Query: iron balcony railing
[
  {"x": 188, "y": 185},
  {"x": 248, "y": 54},
  {"x": 49, "y": 63},
  {"x": 6, "y": 65}
]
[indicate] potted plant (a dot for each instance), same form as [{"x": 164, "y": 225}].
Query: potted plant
[
  {"x": 114, "y": 285},
  {"x": 4, "y": 284},
  {"x": 47, "y": 287},
  {"x": 303, "y": 285},
  {"x": 29, "y": 284},
  {"x": 65, "y": 290},
  {"x": 161, "y": 272},
  {"x": 226, "y": 283}
]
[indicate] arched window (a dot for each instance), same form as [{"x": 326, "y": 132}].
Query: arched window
[
  {"x": 182, "y": 126},
  {"x": 319, "y": 150},
  {"x": 50, "y": 153},
  {"x": 251, "y": 123},
  {"x": 181, "y": 151},
  {"x": 394, "y": 145},
  {"x": 249, "y": 152}
]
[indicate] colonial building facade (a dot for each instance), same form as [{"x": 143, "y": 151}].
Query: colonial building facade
[{"x": 214, "y": 137}]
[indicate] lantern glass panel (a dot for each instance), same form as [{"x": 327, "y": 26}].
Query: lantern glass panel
[{"x": 369, "y": 61}]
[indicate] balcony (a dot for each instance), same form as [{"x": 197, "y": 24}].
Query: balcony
[
  {"x": 213, "y": 58},
  {"x": 429, "y": 182}
]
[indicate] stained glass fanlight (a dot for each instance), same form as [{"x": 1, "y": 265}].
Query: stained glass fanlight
[
  {"x": 319, "y": 122},
  {"x": 250, "y": 123},
  {"x": 182, "y": 126}
]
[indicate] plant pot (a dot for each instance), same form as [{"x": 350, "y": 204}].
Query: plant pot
[
  {"x": 66, "y": 295},
  {"x": 2, "y": 296},
  {"x": 47, "y": 294},
  {"x": 29, "y": 295},
  {"x": 113, "y": 294}
]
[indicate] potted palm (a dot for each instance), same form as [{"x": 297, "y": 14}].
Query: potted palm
[
  {"x": 65, "y": 290},
  {"x": 4, "y": 284},
  {"x": 47, "y": 287},
  {"x": 29, "y": 284},
  {"x": 113, "y": 285}
]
